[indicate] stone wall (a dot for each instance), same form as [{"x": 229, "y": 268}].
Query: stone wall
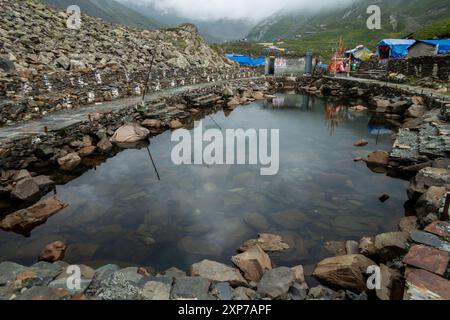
[
  {"x": 29, "y": 99},
  {"x": 437, "y": 67}
]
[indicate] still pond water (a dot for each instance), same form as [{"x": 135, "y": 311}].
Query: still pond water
[{"x": 120, "y": 212}]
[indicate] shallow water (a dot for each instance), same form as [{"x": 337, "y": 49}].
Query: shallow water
[{"x": 120, "y": 212}]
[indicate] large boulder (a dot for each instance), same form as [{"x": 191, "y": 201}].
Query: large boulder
[
  {"x": 426, "y": 178},
  {"x": 377, "y": 158},
  {"x": 276, "y": 282},
  {"x": 416, "y": 111},
  {"x": 344, "y": 272},
  {"x": 130, "y": 133},
  {"x": 23, "y": 221},
  {"x": 430, "y": 201},
  {"x": 253, "y": 263},
  {"x": 424, "y": 285},
  {"x": 69, "y": 162},
  {"x": 391, "y": 245},
  {"x": 217, "y": 272}
]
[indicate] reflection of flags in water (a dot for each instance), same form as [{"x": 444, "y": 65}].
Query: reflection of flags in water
[
  {"x": 278, "y": 101},
  {"x": 379, "y": 130},
  {"x": 333, "y": 116}
]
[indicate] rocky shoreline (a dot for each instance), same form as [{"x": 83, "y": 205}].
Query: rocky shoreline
[{"x": 413, "y": 260}]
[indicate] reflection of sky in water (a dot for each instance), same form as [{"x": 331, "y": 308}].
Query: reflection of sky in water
[{"x": 120, "y": 212}]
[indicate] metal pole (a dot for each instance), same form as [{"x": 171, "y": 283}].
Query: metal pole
[
  {"x": 153, "y": 162},
  {"x": 148, "y": 77}
]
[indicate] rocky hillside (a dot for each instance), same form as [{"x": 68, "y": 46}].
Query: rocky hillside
[
  {"x": 46, "y": 67},
  {"x": 109, "y": 10},
  {"x": 399, "y": 18},
  {"x": 34, "y": 39}
]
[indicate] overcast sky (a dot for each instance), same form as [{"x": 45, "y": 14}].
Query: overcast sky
[{"x": 216, "y": 9}]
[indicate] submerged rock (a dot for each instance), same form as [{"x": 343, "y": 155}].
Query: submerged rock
[
  {"x": 53, "y": 252},
  {"x": 267, "y": 242},
  {"x": 23, "y": 221}
]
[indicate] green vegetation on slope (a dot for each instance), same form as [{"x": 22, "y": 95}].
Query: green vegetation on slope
[{"x": 437, "y": 30}]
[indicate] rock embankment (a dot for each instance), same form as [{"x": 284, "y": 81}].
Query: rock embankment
[{"x": 44, "y": 66}]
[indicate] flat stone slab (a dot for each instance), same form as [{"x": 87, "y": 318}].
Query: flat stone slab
[
  {"x": 439, "y": 228},
  {"x": 424, "y": 285},
  {"x": 406, "y": 146},
  {"x": 427, "y": 258},
  {"x": 195, "y": 288},
  {"x": 430, "y": 240}
]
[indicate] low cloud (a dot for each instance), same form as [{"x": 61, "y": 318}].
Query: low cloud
[{"x": 235, "y": 9}]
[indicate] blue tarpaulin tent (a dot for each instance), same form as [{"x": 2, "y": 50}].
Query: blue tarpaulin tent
[
  {"x": 442, "y": 45},
  {"x": 398, "y": 47},
  {"x": 244, "y": 60}
]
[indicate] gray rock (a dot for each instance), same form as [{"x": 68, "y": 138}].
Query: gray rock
[
  {"x": 222, "y": 291},
  {"x": 276, "y": 282},
  {"x": 46, "y": 271},
  {"x": 175, "y": 273},
  {"x": 163, "y": 279},
  {"x": 44, "y": 183},
  {"x": 298, "y": 292},
  {"x": 62, "y": 283},
  {"x": 8, "y": 293},
  {"x": 156, "y": 291},
  {"x": 116, "y": 287},
  {"x": 321, "y": 293},
  {"x": 191, "y": 288},
  {"x": 103, "y": 272},
  {"x": 9, "y": 270},
  {"x": 243, "y": 293},
  {"x": 43, "y": 293},
  {"x": 430, "y": 240},
  {"x": 130, "y": 274},
  {"x": 352, "y": 247}
]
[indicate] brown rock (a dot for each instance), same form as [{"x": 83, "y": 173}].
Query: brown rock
[
  {"x": 416, "y": 111},
  {"x": 130, "y": 133},
  {"x": 267, "y": 242},
  {"x": 87, "y": 141},
  {"x": 86, "y": 151},
  {"x": 175, "y": 124},
  {"x": 23, "y": 221},
  {"x": 439, "y": 228},
  {"x": 408, "y": 224},
  {"x": 427, "y": 258},
  {"x": 378, "y": 158},
  {"x": 336, "y": 248},
  {"x": 424, "y": 285},
  {"x": 25, "y": 190},
  {"x": 53, "y": 252},
  {"x": 104, "y": 145},
  {"x": 390, "y": 245},
  {"x": 346, "y": 272},
  {"x": 217, "y": 272},
  {"x": 299, "y": 274},
  {"x": 367, "y": 246},
  {"x": 430, "y": 201},
  {"x": 253, "y": 263},
  {"x": 152, "y": 123},
  {"x": 391, "y": 287},
  {"x": 69, "y": 162},
  {"x": 361, "y": 143}
]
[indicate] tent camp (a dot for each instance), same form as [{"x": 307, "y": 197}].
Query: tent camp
[
  {"x": 429, "y": 48},
  {"x": 394, "y": 48},
  {"x": 360, "y": 53},
  {"x": 247, "y": 61}
]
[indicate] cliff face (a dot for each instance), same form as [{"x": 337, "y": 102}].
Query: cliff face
[{"x": 35, "y": 39}]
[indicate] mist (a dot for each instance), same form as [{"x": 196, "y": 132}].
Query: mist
[{"x": 211, "y": 10}]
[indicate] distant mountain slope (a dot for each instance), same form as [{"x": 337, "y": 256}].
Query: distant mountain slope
[
  {"x": 110, "y": 10},
  {"x": 213, "y": 31},
  {"x": 399, "y": 18}
]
